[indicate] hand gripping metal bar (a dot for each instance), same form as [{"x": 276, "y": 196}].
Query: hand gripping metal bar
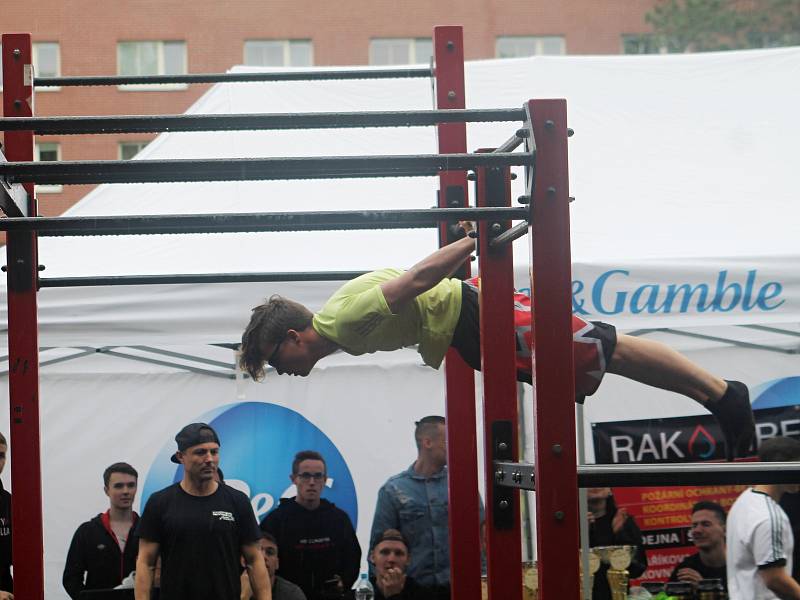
[
  {"x": 240, "y": 122},
  {"x": 141, "y": 171},
  {"x": 257, "y": 222},
  {"x": 520, "y": 475}
]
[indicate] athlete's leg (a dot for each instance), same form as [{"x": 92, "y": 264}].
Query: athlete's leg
[{"x": 659, "y": 365}]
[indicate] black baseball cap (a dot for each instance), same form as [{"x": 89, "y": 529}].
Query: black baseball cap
[
  {"x": 390, "y": 535},
  {"x": 192, "y": 435}
]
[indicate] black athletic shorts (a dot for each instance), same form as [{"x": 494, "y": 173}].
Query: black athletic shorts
[{"x": 593, "y": 341}]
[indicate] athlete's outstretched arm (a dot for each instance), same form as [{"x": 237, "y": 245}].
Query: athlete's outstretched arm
[{"x": 426, "y": 273}]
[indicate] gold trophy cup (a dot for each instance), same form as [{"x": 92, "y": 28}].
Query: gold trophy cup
[{"x": 618, "y": 558}]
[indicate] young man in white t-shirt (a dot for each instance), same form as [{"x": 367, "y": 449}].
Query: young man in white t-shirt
[{"x": 760, "y": 541}]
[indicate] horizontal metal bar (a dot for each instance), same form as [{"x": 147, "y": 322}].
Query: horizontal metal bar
[
  {"x": 731, "y": 341},
  {"x": 54, "y": 282},
  {"x": 511, "y": 143},
  {"x": 188, "y": 357},
  {"x": 521, "y": 475},
  {"x": 235, "y": 169},
  {"x": 279, "y": 221},
  {"x": 13, "y": 197},
  {"x": 777, "y": 330},
  {"x": 315, "y": 75},
  {"x": 516, "y": 232},
  {"x": 164, "y": 363},
  {"x": 235, "y": 122}
]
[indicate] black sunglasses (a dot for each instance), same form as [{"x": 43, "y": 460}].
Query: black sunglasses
[{"x": 274, "y": 355}]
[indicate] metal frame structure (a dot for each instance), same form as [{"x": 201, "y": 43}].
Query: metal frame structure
[{"x": 545, "y": 215}]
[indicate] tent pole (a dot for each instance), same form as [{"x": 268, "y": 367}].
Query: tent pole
[
  {"x": 462, "y": 449},
  {"x": 23, "y": 338}
]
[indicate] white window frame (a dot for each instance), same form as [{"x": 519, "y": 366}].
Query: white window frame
[
  {"x": 142, "y": 145},
  {"x": 47, "y": 188},
  {"x": 538, "y": 43},
  {"x": 412, "y": 47},
  {"x": 35, "y": 53},
  {"x": 155, "y": 87},
  {"x": 286, "y": 46}
]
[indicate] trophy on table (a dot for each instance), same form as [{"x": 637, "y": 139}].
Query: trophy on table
[
  {"x": 618, "y": 558},
  {"x": 594, "y": 566}
]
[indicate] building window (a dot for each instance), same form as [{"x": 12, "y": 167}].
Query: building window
[
  {"x": 400, "y": 51},
  {"x": 640, "y": 43},
  {"x": 127, "y": 150},
  {"x": 46, "y": 63},
  {"x": 47, "y": 151},
  {"x": 151, "y": 58},
  {"x": 278, "y": 53},
  {"x": 46, "y": 59},
  {"x": 514, "y": 46}
]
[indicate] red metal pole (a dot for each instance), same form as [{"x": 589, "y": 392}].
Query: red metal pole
[
  {"x": 504, "y": 544},
  {"x": 462, "y": 450},
  {"x": 554, "y": 391},
  {"x": 23, "y": 340}
]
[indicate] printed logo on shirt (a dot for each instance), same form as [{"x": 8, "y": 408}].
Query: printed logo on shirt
[
  {"x": 320, "y": 543},
  {"x": 259, "y": 441},
  {"x": 223, "y": 515}
]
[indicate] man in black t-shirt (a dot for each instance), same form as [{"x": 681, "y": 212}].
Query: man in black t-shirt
[
  {"x": 708, "y": 536},
  {"x": 200, "y": 528}
]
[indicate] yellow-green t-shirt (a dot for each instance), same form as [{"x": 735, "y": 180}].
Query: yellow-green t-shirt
[{"x": 358, "y": 319}]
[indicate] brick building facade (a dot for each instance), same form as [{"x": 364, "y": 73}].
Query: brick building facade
[{"x": 101, "y": 37}]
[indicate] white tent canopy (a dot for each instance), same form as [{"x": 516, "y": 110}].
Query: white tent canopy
[
  {"x": 684, "y": 172},
  {"x": 682, "y": 166}
]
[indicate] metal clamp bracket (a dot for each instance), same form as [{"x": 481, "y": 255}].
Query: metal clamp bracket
[{"x": 503, "y": 497}]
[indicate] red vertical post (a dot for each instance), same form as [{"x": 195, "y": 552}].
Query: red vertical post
[
  {"x": 503, "y": 543},
  {"x": 462, "y": 450},
  {"x": 23, "y": 340},
  {"x": 554, "y": 384}
]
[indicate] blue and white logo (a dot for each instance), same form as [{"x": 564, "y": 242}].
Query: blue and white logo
[
  {"x": 776, "y": 393},
  {"x": 612, "y": 294},
  {"x": 258, "y": 443}
]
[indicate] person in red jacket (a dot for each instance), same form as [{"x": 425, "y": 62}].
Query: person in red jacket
[{"x": 103, "y": 550}]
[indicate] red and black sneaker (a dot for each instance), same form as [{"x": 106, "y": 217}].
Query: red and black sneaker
[{"x": 735, "y": 417}]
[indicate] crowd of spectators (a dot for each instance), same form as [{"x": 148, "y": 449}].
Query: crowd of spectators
[{"x": 199, "y": 538}]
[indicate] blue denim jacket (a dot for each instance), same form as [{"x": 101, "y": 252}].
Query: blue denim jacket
[{"x": 417, "y": 506}]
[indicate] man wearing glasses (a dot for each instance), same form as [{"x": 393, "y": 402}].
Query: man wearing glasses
[{"x": 318, "y": 548}]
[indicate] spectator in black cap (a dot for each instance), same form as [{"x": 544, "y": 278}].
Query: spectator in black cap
[
  {"x": 200, "y": 529},
  {"x": 391, "y": 559}
]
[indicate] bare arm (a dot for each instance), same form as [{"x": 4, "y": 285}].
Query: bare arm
[
  {"x": 145, "y": 568},
  {"x": 257, "y": 572},
  {"x": 426, "y": 273},
  {"x": 778, "y": 580}
]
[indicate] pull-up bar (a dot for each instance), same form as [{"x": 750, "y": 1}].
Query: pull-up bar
[
  {"x": 235, "y": 169},
  {"x": 117, "y": 280},
  {"x": 240, "y": 122},
  {"x": 244, "y": 222},
  {"x": 521, "y": 475},
  {"x": 332, "y": 74}
]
